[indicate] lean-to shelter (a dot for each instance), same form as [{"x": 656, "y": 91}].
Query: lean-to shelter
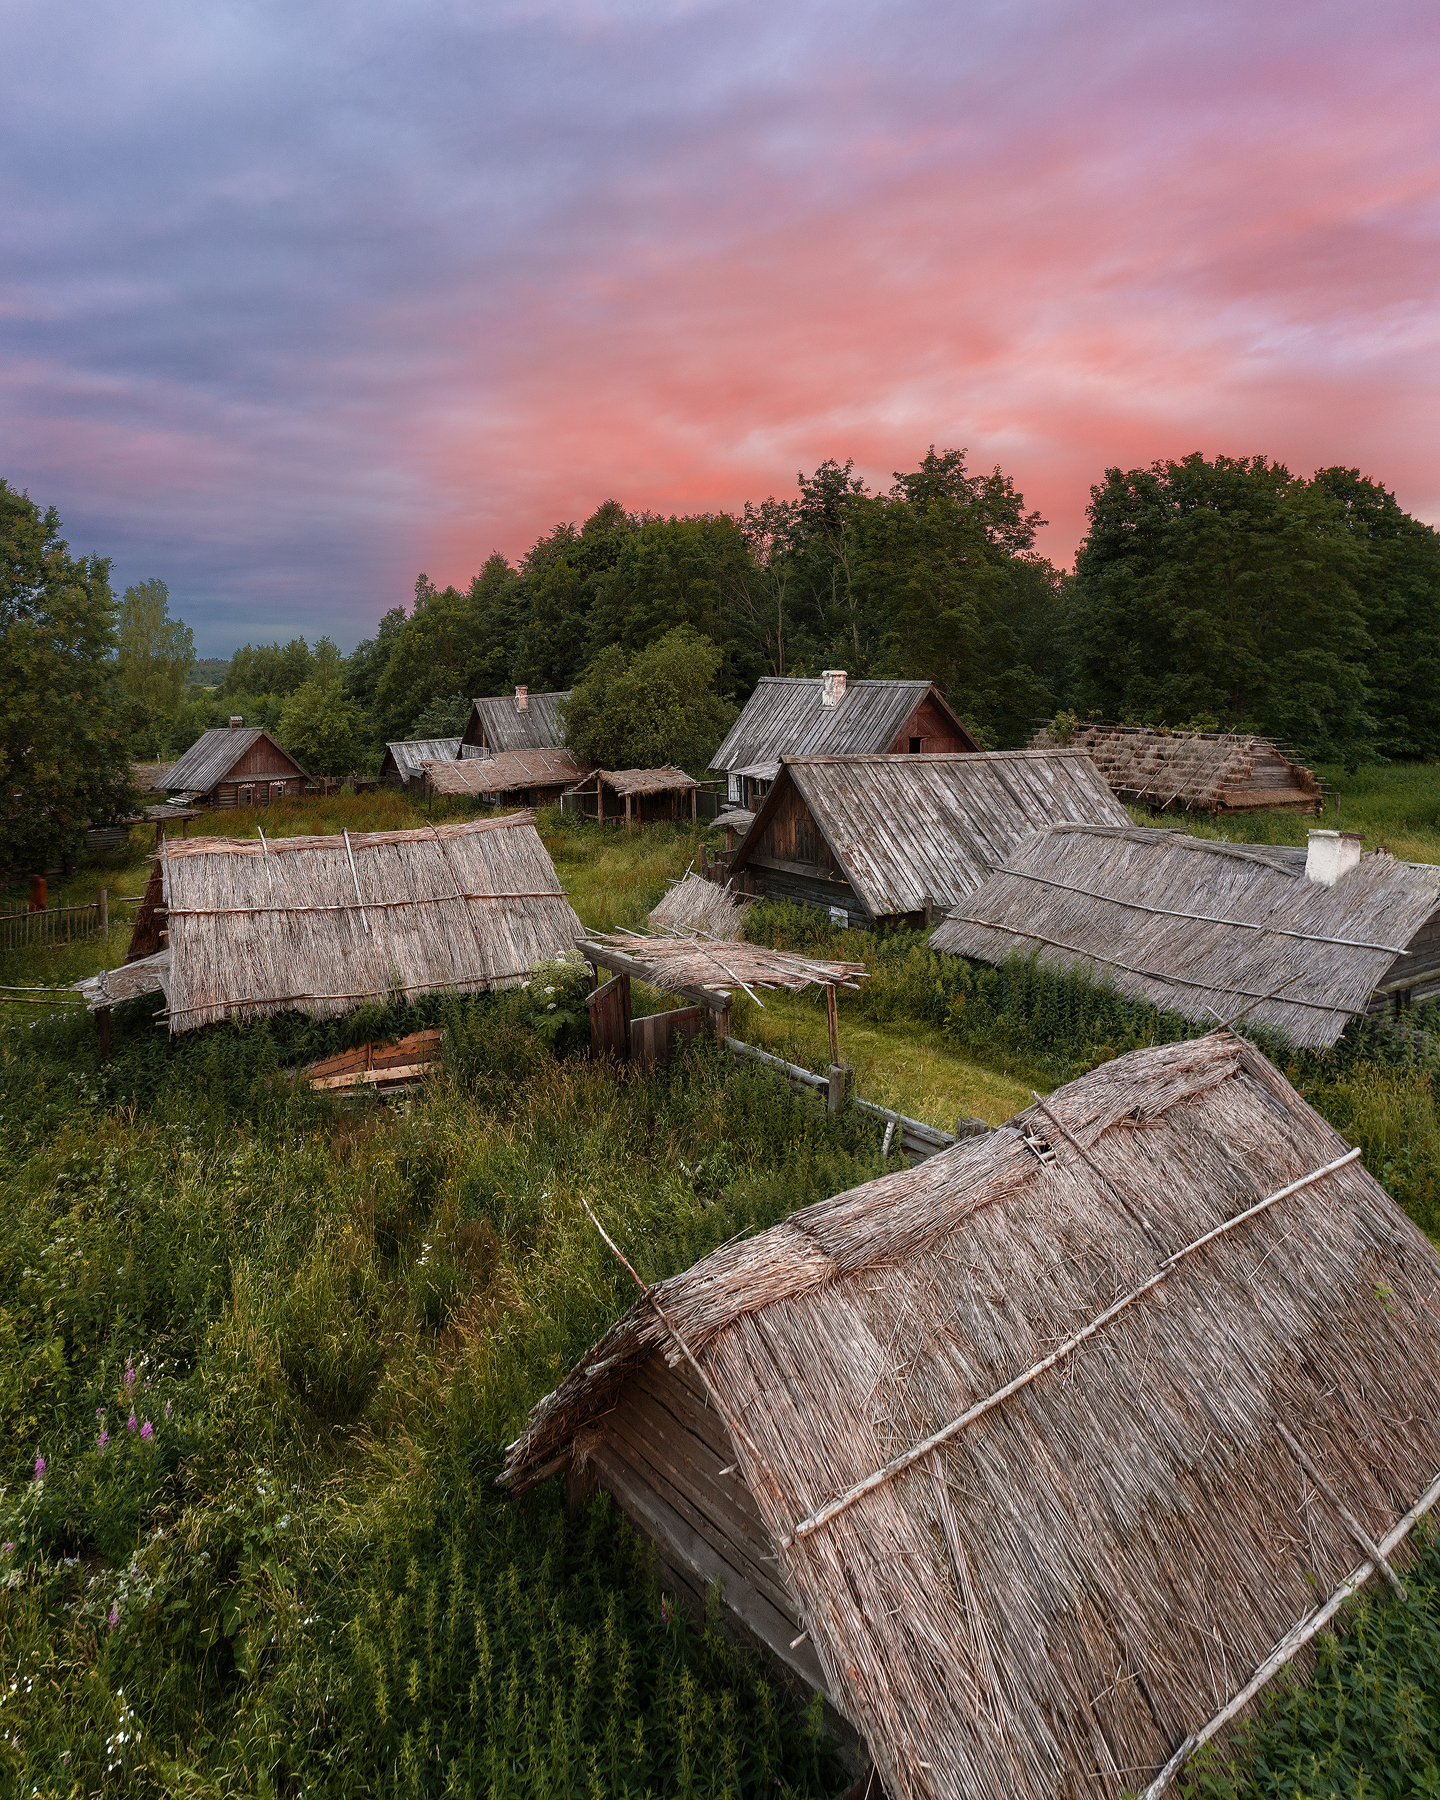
[
  {"x": 830, "y": 715},
  {"x": 899, "y": 838},
  {"x": 242, "y": 927},
  {"x": 1194, "y": 771},
  {"x": 531, "y": 777},
  {"x": 235, "y": 765},
  {"x": 405, "y": 762},
  {"x": 1024, "y": 1441},
  {"x": 634, "y": 796},
  {"x": 1210, "y": 930},
  {"x": 518, "y": 721}
]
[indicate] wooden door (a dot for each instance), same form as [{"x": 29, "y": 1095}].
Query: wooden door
[{"x": 610, "y": 1019}]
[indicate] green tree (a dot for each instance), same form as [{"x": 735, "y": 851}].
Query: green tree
[
  {"x": 270, "y": 668},
  {"x": 63, "y": 762},
  {"x": 366, "y": 662},
  {"x": 322, "y": 728},
  {"x": 658, "y": 706},
  {"x": 441, "y": 649},
  {"x": 1224, "y": 590},
  {"x": 444, "y": 717},
  {"x": 156, "y": 652}
]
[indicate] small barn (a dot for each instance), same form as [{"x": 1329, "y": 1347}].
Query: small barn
[
  {"x": 235, "y": 765},
  {"x": 1194, "y": 771},
  {"x": 1301, "y": 943},
  {"x": 897, "y": 838},
  {"x": 523, "y": 777},
  {"x": 634, "y": 796},
  {"x": 405, "y": 762},
  {"x": 235, "y": 928},
  {"x": 831, "y": 715},
  {"x": 1029, "y": 1456},
  {"x": 522, "y": 721}
]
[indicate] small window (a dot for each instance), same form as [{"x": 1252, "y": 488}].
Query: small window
[{"x": 915, "y": 746}]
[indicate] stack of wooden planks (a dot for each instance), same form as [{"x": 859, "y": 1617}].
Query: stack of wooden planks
[{"x": 384, "y": 1067}]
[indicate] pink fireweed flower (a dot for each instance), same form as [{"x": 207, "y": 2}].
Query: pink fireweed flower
[
  {"x": 39, "y": 1468},
  {"x": 114, "y": 1618},
  {"x": 7, "y": 1548},
  {"x": 667, "y": 1612},
  {"x": 147, "y": 1431},
  {"x": 101, "y": 1443},
  {"x": 132, "y": 1421},
  {"x": 129, "y": 1375}
]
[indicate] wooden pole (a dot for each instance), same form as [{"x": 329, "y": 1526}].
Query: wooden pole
[
  {"x": 105, "y": 909},
  {"x": 102, "y": 1019},
  {"x": 832, "y": 1018},
  {"x": 627, "y": 813},
  {"x": 37, "y": 893},
  {"x": 694, "y": 805}
]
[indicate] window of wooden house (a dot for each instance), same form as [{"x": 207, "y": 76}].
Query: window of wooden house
[{"x": 915, "y": 746}]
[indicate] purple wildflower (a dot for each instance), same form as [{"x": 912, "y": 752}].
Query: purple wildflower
[
  {"x": 132, "y": 1421},
  {"x": 102, "y": 1443},
  {"x": 114, "y": 1618},
  {"x": 39, "y": 1468},
  {"x": 147, "y": 1431},
  {"x": 667, "y": 1611},
  {"x": 7, "y": 1548},
  {"x": 100, "y": 1414}
]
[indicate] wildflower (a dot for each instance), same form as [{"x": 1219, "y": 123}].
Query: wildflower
[
  {"x": 667, "y": 1611},
  {"x": 7, "y": 1548},
  {"x": 130, "y": 1375},
  {"x": 168, "y": 1405},
  {"x": 39, "y": 1468},
  {"x": 102, "y": 1443},
  {"x": 100, "y": 1414},
  {"x": 147, "y": 1431},
  {"x": 550, "y": 990},
  {"x": 132, "y": 1421},
  {"x": 114, "y": 1618}
]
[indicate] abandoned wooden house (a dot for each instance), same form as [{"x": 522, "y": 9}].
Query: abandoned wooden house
[
  {"x": 992, "y": 1451},
  {"x": 1300, "y": 941},
  {"x": 897, "y": 839},
  {"x": 405, "y": 762},
  {"x": 830, "y": 715},
  {"x": 235, "y": 928},
  {"x": 514, "y": 777},
  {"x": 1193, "y": 771},
  {"x": 522, "y": 721},
  {"x": 633, "y": 796},
  {"x": 235, "y": 765}
]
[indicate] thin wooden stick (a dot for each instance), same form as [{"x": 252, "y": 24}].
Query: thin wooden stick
[
  {"x": 832, "y": 1019},
  {"x": 1361, "y": 1536},
  {"x": 1095, "y": 1168},
  {"x": 1292, "y": 1643},
  {"x": 356, "y": 879},
  {"x": 897, "y": 1465}
]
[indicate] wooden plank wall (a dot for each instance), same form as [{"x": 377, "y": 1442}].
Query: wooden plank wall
[
  {"x": 930, "y": 725},
  {"x": 610, "y": 1019},
  {"x": 653, "y": 1037}
]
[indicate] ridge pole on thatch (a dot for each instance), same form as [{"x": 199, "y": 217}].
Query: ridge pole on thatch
[{"x": 356, "y": 879}]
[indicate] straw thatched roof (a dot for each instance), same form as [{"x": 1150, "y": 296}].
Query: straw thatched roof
[
  {"x": 1204, "y": 929},
  {"x": 1038, "y": 1384},
  {"x": 407, "y": 759},
  {"x": 668, "y": 780},
  {"x": 321, "y": 924},
  {"x": 786, "y": 716},
  {"x": 1194, "y": 771},
  {"x": 513, "y": 771},
  {"x": 716, "y": 967},
  {"x": 899, "y": 831},
  {"x": 500, "y": 723},
  {"x": 695, "y": 905},
  {"x": 214, "y": 754},
  {"x": 148, "y": 776}
]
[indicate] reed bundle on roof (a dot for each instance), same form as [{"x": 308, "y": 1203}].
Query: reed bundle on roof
[
  {"x": 1203, "y": 929},
  {"x": 678, "y": 965},
  {"x": 697, "y": 906},
  {"x": 512, "y": 771},
  {"x": 1013, "y": 1429},
  {"x": 1194, "y": 771},
  {"x": 322, "y": 924}
]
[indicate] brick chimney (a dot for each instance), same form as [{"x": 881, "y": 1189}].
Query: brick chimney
[
  {"x": 236, "y": 721},
  {"x": 1331, "y": 854},
  {"x": 832, "y": 686},
  {"x": 522, "y": 699}
]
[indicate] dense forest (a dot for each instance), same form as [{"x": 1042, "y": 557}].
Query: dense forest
[{"x": 1219, "y": 594}]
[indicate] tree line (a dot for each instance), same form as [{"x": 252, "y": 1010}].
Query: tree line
[{"x": 1220, "y": 594}]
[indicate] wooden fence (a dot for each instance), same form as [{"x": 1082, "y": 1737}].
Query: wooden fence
[{"x": 55, "y": 925}]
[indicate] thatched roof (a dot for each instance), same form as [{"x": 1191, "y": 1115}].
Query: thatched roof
[
  {"x": 214, "y": 754},
  {"x": 505, "y": 725},
  {"x": 695, "y": 905},
  {"x": 321, "y": 924},
  {"x": 1204, "y": 929},
  {"x": 408, "y": 758},
  {"x": 513, "y": 771},
  {"x": 714, "y": 966},
  {"x": 668, "y": 780},
  {"x": 1194, "y": 771},
  {"x": 147, "y": 776},
  {"x": 902, "y": 830},
  {"x": 786, "y": 716},
  {"x": 1110, "y": 1532}
]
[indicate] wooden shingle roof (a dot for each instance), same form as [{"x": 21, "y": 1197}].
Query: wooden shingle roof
[
  {"x": 214, "y": 754},
  {"x": 785, "y": 717}
]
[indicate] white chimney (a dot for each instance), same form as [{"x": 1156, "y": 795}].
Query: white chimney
[
  {"x": 1331, "y": 855},
  {"x": 522, "y": 699},
  {"x": 236, "y": 721},
  {"x": 832, "y": 686}
]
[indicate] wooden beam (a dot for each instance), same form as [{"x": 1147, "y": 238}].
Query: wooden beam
[
  {"x": 832, "y": 1019},
  {"x": 605, "y": 956}
]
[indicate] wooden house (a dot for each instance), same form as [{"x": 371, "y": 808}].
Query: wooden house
[
  {"x": 405, "y": 762},
  {"x": 896, "y": 839},
  {"x": 522, "y": 721},
  {"x": 514, "y": 777},
  {"x": 235, "y": 765},
  {"x": 1194, "y": 771},
  {"x": 634, "y": 796},
  {"x": 831, "y": 715},
  {"x": 1300, "y": 941},
  {"x": 1006, "y": 1454}
]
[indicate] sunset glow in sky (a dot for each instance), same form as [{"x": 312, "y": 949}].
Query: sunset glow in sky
[{"x": 296, "y": 301}]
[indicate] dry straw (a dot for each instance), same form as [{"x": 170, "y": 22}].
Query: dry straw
[
  {"x": 1194, "y": 771},
  {"x": 697, "y": 907}
]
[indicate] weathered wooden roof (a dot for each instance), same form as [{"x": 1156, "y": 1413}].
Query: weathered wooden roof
[
  {"x": 149, "y": 777},
  {"x": 506, "y": 727},
  {"x": 214, "y": 754},
  {"x": 1201, "y": 928},
  {"x": 907, "y": 829},
  {"x": 409, "y": 757},
  {"x": 512, "y": 771},
  {"x": 1013, "y": 1419},
  {"x": 691, "y": 965},
  {"x": 668, "y": 780},
  {"x": 1194, "y": 771},
  {"x": 785, "y": 717}
]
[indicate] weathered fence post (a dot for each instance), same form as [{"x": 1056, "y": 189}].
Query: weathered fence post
[
  {"x": 37, "y": 893},
  {"x": 105, "y": 910},
  {"x": 832, "y": 1019},
  {"x": 102, "y": 1019},
  {"x": 840, "y": 1079}
]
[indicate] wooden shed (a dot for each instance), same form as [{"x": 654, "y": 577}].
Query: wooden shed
[
  {"x": 634, "y": 796},
  {"x": 235, "y": 765},
  {"x": 902, "y": 838},
  {"x": 405, "y": 762},
  {"x": 529, "y": 777},
  {"x": 1194, "y": 771},
  {"x": 522, "y": 721},
  {"x": 831, "y": 715},
  {"x": 1041, "y": 1458},
  {"x": 1301, "y": 942}
]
